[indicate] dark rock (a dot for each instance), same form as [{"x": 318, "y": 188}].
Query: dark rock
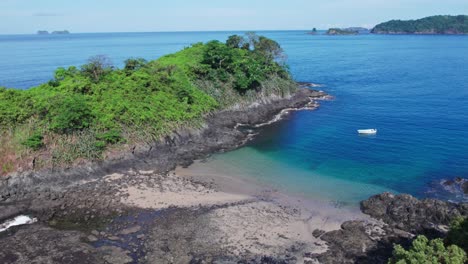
[
  {"x": 10, "y": 210},
  {"x": 404, "y": 217},
  {"x": 317, "y": 233},
  {"x": 413, "y": 215},
  {"x": 39, "y": 244},
  {"x": 359, "y": 242},
  {"x": 464, "y": 187}
]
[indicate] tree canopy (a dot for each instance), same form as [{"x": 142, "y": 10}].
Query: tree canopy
[{"x": 428, "y": 251}]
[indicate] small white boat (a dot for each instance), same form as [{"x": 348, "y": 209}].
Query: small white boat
[{"x": 367, "y": 131}]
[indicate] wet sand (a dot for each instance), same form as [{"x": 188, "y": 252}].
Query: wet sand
[{"x": 244, "y": 217}]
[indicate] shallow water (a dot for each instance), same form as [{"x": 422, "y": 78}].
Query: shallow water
[{"x": 413, "y": 89}]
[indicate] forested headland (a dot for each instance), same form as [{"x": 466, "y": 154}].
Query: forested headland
[
  {"x": 85, "y": 111},
  {"x": 427, "y": 25}
]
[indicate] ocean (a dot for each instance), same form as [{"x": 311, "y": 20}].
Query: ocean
[{"x": 413, "y": 89}]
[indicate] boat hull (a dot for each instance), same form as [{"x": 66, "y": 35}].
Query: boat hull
[{"x": 367, "y": 131}]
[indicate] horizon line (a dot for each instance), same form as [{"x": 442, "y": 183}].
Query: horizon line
[{"x": 162, "y": 31}]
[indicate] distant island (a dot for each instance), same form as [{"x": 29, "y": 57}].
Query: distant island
[
  {"x": 341, "y": 31},
  {"x": 59, "y": 32},
  {"x": 427, "y": 25},
  {"x": 359, "y": 30}
]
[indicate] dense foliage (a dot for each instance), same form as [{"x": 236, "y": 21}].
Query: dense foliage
[
  {"x": 86, "y": 109},
  {"x": 428, "y": 251},
  {"x": 428, "y": 25},
  {"x": 458, "y": 234},
  {"x": 453, "y": 251}
]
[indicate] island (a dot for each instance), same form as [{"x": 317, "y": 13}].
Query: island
[
  {"x": 359, "y": 30},
  {"x": 98, "y": 108},
  {"x": 428, "y": 25},
  {"x": 43, "y": 32},
  {"x": 341, "y": 31},
  {"x": 60, "y": 32}
]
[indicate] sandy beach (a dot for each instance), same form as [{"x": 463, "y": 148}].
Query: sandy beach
[{"x": 244, "y": 218}]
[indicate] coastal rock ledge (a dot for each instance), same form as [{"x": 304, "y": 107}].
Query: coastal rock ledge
[{"x": 401, "y": 217}]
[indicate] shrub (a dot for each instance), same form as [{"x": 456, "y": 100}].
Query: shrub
[
  {"x": 97, "y": 67},
  {"x": 100, "y": 145},
  {"x": 427, "y": 251},
  {"x": 69, "y": 113},
  {"x": 34, "y": 142},
  {"x": 133, "y": 64},
  {"x": 15, "y": 107},
  {"x": 111, "y": 137},
  {"x": 458, "y": 234}
]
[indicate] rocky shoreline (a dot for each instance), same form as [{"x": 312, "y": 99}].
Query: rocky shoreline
[
  {"x": 182, "y": 148},
  {"x": 137, "y": 209},
  {"x": 401, "y": 217},
  {"x": 71, "y": 203}
]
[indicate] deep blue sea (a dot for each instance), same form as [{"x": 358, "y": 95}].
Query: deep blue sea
[{"x": 413, "y": 89}]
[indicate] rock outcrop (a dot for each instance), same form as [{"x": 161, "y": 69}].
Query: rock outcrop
[
  {"x": 401, "y": 218},
  {"x": 405, "y": 212}
]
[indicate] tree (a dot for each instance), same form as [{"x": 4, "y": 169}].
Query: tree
[
  {"x": 428, "y": 251},
  {"x": 217, "y": 55},
  {"x": 235, "y": 41},
  {"x": 458, "y": 234},
  {"x": 97, "y": 67},
  {"x": 134, "y": 64},
  {"x": 269, "y": 48},
  {"x": 252, "y": 39}
]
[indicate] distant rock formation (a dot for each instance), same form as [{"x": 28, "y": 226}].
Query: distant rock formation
[
  {"x": 313, "y": 32},
  {"x": 43, "y": 32}
]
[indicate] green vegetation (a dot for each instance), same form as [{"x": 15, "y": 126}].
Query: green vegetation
[
  {"x": 84, "y": 111},
  {"x": 341, "y": 31},
  {"x": 435, "y": 251},
  {"x": 428, "y": 251},
  {"x": 428, "y": 25},
  {"x": 458, "y": 234},
  {"x": 34, "y": 142}
]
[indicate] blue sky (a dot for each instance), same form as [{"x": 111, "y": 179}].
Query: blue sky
[{"x": 28, "y": 16}]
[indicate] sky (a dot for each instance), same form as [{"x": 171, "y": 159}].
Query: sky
[{"x": 29, "y": 16}]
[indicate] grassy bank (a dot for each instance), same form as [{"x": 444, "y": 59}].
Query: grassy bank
[{"x": 86, "y": 113}]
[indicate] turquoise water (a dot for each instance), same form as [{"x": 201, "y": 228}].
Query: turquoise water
[{"x": 414, "y": 89}]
